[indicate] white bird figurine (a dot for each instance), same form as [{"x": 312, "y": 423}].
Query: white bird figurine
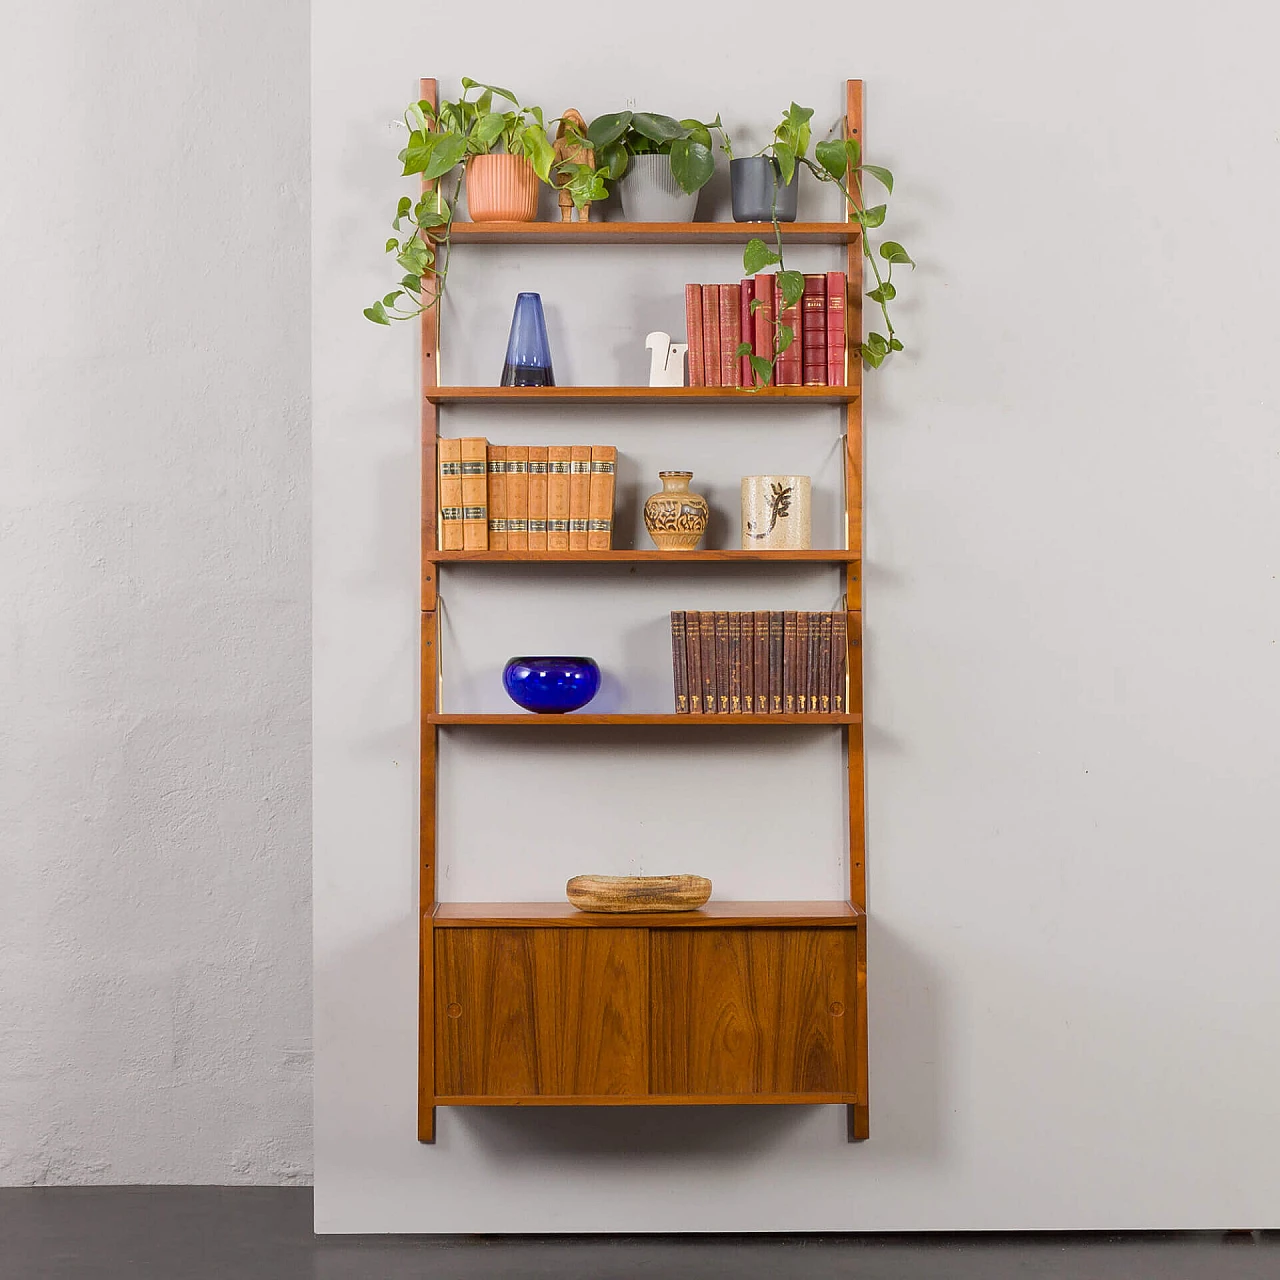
[{"x": 666, "y": 363}]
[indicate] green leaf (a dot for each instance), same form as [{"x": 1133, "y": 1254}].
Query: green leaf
[
  {"x": 428, "y": 220},
  {"x": 756, "y": 256},
  {"x": 874, "y": 358},
  {"x": 391, "y": 298},
  {"x": 786, "y": 159},
  {"x": 377, "y": 313},
  {"x": 658, "y": 128},
  {"x": 393, "y": 243},
  {"x": 448, "y": 152},
  {"x": 892, "y": 251},
  {"x": 877, "y": 343},
  {"x": 873, "y": 217},
  {"x": 882, "y": 176},
  {"x": 539, "y": 152},
  {"x": 692, "y": 164},
  {"x": 763, "y": 369},
  {"x": 415, "y": 257},
  {"x": 755, "y": 305},
  {"x": 832, "y": 156},
  {"x": 417, "y": 155},
  {"x": 468, "y": 83},
  {"x": 882, "y": 293},
  {"x": 699, "y": 132},
  {"x": 786, "y": 336},
  {"x": 895, "y": 345},
  {"x": 612, "y": 160},
  {"x": 489, "y": 129},
  {"x": 853, "y": 152},
  {"x": 791, "y": 286},
  {"x": 606, "y": 129},
  {"x": 412, "y": 282},
  {"x": 744, "y": 349}
]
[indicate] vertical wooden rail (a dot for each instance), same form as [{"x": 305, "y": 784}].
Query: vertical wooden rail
[
  {"x": 430, "y": 684},
  {"x": 857, "y": 1113}
]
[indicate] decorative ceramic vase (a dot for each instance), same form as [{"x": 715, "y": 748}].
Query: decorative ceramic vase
[
  {"x": 753, "y": 182},
  {"x": 775, "y": 513},
  {"x": 650, "y": 192},
  {"x": 528, "y": 362},
  {"x": 551, "y": 686},
  {"x": 676, "y": 519},
  {"x": 501, "y": 188}
]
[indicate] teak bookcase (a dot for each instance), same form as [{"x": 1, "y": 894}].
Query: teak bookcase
[{"x": 537, "y": 1004}]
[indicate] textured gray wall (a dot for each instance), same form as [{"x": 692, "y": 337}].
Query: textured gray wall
[{"x": 154, "y": 706}]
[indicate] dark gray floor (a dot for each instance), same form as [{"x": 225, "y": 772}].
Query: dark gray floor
[{"x": 264, "y": 1233}]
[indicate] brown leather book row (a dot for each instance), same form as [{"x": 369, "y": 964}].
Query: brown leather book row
[
  {"x": 765, "y": 662},
  {"x": 519, "y": 497},
  {"x": 720, "y": 317}
]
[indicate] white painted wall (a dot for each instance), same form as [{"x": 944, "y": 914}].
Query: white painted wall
[
  {"x": 154, "y": 736},
  {"x": 1072, "y": 645}
]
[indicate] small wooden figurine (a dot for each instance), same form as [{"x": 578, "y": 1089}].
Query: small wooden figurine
[
  {"x": 567, "y": 149},
  {"x": 666, "y": 360}
]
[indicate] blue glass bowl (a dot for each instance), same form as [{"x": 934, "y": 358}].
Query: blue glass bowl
[{"x": 551, "y": 685}]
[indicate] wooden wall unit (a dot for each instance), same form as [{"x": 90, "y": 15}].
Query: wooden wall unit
[{"x": 741, "y": 1002}]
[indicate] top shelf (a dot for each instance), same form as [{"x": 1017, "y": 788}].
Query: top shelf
[{"x": 650, "y": 232}]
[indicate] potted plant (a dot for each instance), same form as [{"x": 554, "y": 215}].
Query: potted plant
[
  {"x": 764, "y": 185},
  {"x": 659, "y": 164},
  {"x": 838, "y": 161},
  {"x": 499, "y": 155}
]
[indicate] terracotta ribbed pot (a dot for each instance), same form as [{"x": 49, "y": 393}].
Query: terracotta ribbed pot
[{"x": 501, "y": 188}]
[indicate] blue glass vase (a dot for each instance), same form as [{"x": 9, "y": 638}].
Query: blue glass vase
[
  {"x": 551, "y": 685},
  {"x": 528, "y": 362}
]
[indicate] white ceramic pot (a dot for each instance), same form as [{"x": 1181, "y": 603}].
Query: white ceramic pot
[
  {"x": 775, "y": 513},
  {"x": 651, "y": 194}
]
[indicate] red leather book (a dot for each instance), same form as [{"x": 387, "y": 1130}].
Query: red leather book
[
  {"x": 837, "y": 340},
  {"x": 761, "y": 656},
  {"x": 814, "y": 338},
  {"x": 790, "y": 370},
  {"x": 693, "y": 659},
  {"x": 746, "y": 327},
  {"x": 711, "y": 334},
  {"x": 730, "y": 331},
  {"x": 762, "y": 321},
  {"x": 693, "y": 333}
]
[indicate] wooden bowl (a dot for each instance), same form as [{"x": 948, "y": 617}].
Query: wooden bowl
[{"x": 638, "y": 893}]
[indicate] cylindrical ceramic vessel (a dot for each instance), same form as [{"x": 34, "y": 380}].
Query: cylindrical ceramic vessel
[
  {"x": 752, "y": 182},
  {"x": 501, "y": 188},
  {"x": 675, "y": 518},
  {"x": 775, "y": 513},
  {"x": 650, "y": 192}
]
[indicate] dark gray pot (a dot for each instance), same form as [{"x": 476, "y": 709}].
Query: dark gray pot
[{"x": 753, "y": 181}]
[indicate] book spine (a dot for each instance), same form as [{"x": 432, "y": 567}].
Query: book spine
[
  {"x": 679, "y": 663},
  {"x": 790, "y": 371},
  {"x": 707, "y": 657},
  {"x": 604, "y": 463},
  {"x": 814, "y": 350},
  {"x": 824, "y": 664},
  {"x": 558, "y": 464},
  {"x": 537, "y": 498},
  {"x": 449, "y": 453},
  {"x": 693, "y": 333},
  {"x": 815, "y": 660},
  {"x": 762, "y": 321},
  {"x": 735, "y": 663},
  {"x": 475, "y": 493},
  {"x": 518, "y": 497},
  {"x": 746, "y": 650},
  {"x": 497, "y": 468},
  {"x": 802, "y": 662},
  {"x": 776, "y": 627},
  {"x": 760, "y": 676},
  {"x": 693, "y": 659},
  {"x": 746, "y": 330},
  {"x": 839, "y": 656},
  {"x": 711, "y": 334},
  {"x": 722, "y": 661},
  {"x": 730, "y": 334},
  {"x": 579, "y": 496},
  {"x": 837, "y": 338},
  {"x": 789, "y": 661}
]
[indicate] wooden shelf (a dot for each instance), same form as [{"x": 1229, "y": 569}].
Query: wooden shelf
[
  {"x": 644, "y": 556},
  {"x": 641, "y": 395},
  {"x": 574, "y": 719},
  {"x": 837, "y": 233},
  {"x": 714, "y": 914}
]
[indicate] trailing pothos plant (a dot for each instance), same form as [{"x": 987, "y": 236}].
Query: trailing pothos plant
[
  {"x": 838, "y": 161},
  {"x": 441, "y": 140},
  {"x": 790, "y": 140},
  {"x": 623, "y": 134}
]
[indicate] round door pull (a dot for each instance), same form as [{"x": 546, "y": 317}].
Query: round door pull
[
  {"x": 836, "y": 1008},
  {"x": 454, "y": 1010}
]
